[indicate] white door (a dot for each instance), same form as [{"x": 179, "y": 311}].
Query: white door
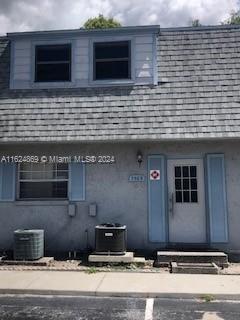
[{"x": 187, "y": 218}]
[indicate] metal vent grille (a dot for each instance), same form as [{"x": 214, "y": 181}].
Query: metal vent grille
[{"x": 28, "y": 244}]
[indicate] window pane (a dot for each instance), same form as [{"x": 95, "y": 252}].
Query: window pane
[
  {"x": 46, "y": 181},
  {"x": 60, "y": 174},
  {"x": 112, "y": 70},
  {"x": 193, "y": 171},
  {"x": 42, "y": 171},
  {"x": 47, "y": 166},
  {"x": 194, "y": 196},
  {"x": 112, "y": 50},
  {"x": 53, "y": 53},
  {"x": 178, "y": 196},
  {"x": 43, "y": 190},
  {"x": 53, "y": 72},
  {"x": 185, "y": 184},
  {"x": 41, "y": 166},
  {"x": 186, "y": 197},
  {"x": 26, "y": 166},
  {"x": 62, "y": 166},
  {"x": 194, "y": 184},
  {"x": 108, "y": 68},
  {"x": 178, "y": 184},
  {"x": 177, "y": 172},
  {"x": 25, "y": 175},
  {"x": 185, "y": 171},
  {"x": 39, "y": 175}
]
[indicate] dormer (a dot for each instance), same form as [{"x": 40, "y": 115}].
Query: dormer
[{"x": 84, "y": 58}]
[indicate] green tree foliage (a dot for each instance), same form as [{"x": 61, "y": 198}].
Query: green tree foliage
[
  {"x": 101, "y": 22},
  {"x": 234, "y": 18},
  {"x": 195, "y": 23}
]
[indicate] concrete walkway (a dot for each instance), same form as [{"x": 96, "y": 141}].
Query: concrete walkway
[{"x": 120, "y": 284}]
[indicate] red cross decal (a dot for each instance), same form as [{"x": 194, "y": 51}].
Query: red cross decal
[{"x": 154, "y": 174}]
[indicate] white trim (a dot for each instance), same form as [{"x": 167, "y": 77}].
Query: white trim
[
  {"x": 131, "y": 80},
  {"x": 42, "y": 202},
  {"x": 1, "y": 173},
  {"x": 52, "y": 84},
  {"x": 38, "y": 180},
  {"x": 149, "y": 309}
]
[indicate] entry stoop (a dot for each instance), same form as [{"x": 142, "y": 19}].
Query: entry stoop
[
  {"x": 164, "y": 258},
  {"x": 194, "y": 268},
  {"x": 126, "y": 258}
]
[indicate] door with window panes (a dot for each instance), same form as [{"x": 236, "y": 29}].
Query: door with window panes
[{"x": 186, "y": 207}]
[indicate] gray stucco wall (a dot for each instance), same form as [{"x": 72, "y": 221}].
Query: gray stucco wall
[{"x": 117, "y": 199}]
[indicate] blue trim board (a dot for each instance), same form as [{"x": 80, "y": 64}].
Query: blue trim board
[
  {"x": 7, "y": 181},
  {"x": 166, "y": 201},
  {"x": 1, "y": 174},
  {"x": 217, "y": 200},
  {"x": 77, "y": 182},
  {"x": 69, "y": 181},
  {"x": 84, "y": 181},
  {"x": 87, "y": 32},
  {"x": 157, "y": 200},
  {"x": 206, "y": 200}
]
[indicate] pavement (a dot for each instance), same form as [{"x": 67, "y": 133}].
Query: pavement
[
  {"x": 120, "y": 284},
  {"x": 44, "y": 307}
]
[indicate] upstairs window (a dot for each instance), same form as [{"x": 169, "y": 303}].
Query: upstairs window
[
  {"x": 53, "y": 63},
  {"x": 112, "y": 60},
  {"x": 43, "y": 180}
]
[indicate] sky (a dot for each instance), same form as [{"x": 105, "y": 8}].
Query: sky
[{"x": 28, "y": 15}]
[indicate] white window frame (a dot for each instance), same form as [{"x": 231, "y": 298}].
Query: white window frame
[
  {"x": 37, "y": 46},
  {"x": 19, "y": 180},
  {"x": 128, "y": 59},
  {"x": 52, "y": 84},
  {"x": 114, "y": 82}
]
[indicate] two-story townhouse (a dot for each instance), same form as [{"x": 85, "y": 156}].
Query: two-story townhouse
[{"x": 136, "y": 125}]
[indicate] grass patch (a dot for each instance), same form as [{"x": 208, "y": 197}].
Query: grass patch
[
  {"x": 207, "y": 298},
  {"x": 91, "y": 270}
]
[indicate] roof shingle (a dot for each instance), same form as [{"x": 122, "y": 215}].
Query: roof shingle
[{"x": 198, "y": 97}]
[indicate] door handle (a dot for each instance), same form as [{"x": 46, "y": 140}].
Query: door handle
[{"x": 171, "y": 204}]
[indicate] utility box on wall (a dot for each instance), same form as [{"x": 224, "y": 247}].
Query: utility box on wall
[
  {"x": 72, "y": 210},
  {"x": 92, "y": 209}
]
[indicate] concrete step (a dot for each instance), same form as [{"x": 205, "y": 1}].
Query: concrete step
[
  {"x": 194, "y": 268},
  {"x": 41, "y": 262},
  {"x": 139, "y": 260},
  {"x": 164, "y": 258},
  {"x": 128, "y": 257}
]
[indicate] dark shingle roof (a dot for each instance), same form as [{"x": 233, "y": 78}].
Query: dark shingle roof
[{"x": 198, "y": 97}]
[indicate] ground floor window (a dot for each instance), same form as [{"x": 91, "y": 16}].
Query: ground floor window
[{"x": 43, "y": 180}]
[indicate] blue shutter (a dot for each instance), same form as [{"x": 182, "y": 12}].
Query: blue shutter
[
  {"x": 157, "y": 200},
  {"x": 7, "y": 181},
  {"x": 217, "y": 203},
  {"x": 76, "y": 185}
]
